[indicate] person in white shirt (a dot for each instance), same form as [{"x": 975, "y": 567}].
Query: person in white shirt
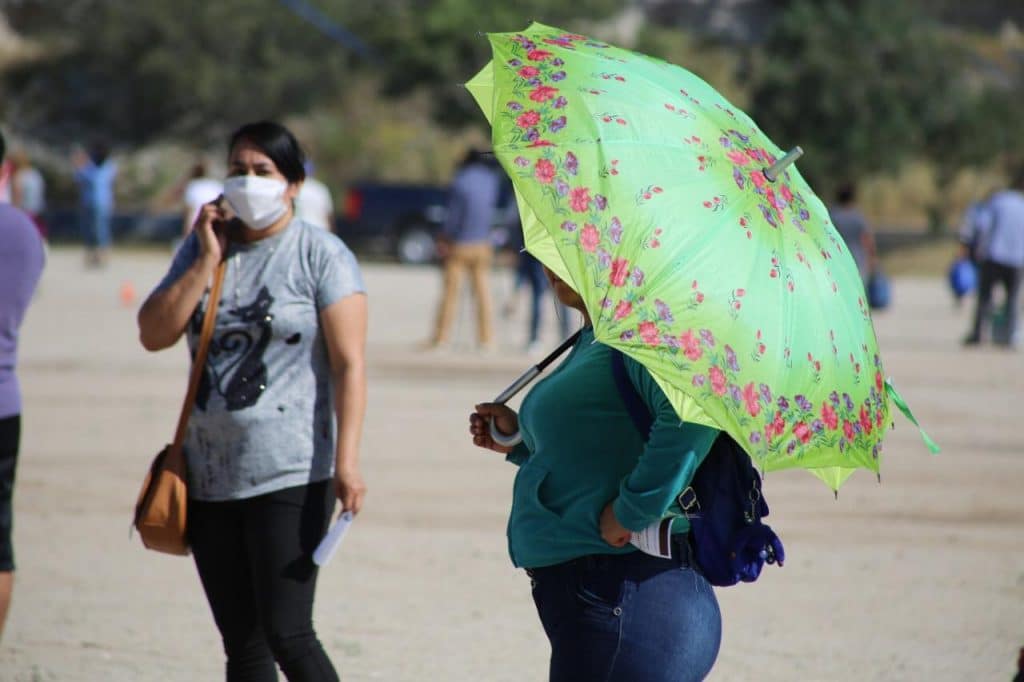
[
  {"x": 199, "y": 190},
  {"x": 314, "y": 204}
]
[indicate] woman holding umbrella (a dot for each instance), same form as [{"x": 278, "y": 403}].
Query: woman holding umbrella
[{"x": 586, "y": 480}]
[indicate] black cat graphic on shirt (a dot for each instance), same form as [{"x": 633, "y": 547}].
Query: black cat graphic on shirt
[{"x": 234, "y": 366}]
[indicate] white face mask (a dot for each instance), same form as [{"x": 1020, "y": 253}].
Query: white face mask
[{"x": 258, "y": 202}]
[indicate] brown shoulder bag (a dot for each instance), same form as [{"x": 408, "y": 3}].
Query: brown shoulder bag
[{"x": 161, "y": 507}]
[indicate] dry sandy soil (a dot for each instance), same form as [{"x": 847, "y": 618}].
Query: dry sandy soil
[{"x": 919, "y": 578}]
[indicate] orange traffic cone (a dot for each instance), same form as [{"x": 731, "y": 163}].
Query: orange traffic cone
[{"x": 127, "y": 293}]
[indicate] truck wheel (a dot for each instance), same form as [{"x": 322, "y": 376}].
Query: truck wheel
[{"x": 416, "y": 246}]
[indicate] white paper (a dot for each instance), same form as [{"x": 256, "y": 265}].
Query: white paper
[
  {"x": 325, "y": 550},
  {"x": 655, "y": 539}
]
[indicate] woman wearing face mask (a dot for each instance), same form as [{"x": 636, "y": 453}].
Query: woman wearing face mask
[{"x": 285, "y": 372}]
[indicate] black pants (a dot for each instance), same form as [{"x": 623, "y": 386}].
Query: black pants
[
  {"x": 254, "y": 558},
  {"x": 10, "y": 434},
  {"x": 992, "y": 273}
]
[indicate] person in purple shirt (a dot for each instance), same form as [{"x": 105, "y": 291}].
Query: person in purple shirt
[
  {"x": 95, "y": 173},
  {"x": 21, "y": 264}
]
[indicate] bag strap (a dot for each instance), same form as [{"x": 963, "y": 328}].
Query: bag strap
[
  {"x": 199, "y": 363},
  {"x": 635, "y": 406}
]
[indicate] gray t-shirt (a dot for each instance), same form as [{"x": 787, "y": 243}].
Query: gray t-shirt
[
  {"x": 851, "y": 226},
  {"x": 264, "y": 416}
]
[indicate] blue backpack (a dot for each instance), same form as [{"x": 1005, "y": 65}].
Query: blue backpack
[{"x": 723, "y": 503}]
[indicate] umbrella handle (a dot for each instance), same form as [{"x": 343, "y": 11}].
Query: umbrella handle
[
  {"x": 773, "y": 171},
  {"x": 508, "y": 441}
]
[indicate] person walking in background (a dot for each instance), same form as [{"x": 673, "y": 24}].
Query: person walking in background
[
  {"x": 1000, "y": 253},
  {"x": 199, "y": 189},
  {"x": 853, "y": 227},
  {"x": 95, "y": 173},
  {"x": 274, "y": 436},
  {"x": 28, "y": 189},
  {"x": 314, "y": 203},
  {"x": 586, "y": 478},
  {"x": 465, "y": 245},
  {"x": 21, "y": 265}
]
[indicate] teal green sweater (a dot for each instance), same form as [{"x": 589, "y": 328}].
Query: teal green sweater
[{"x": 580, "y": 450}]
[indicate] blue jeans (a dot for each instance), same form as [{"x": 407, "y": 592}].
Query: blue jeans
[
  {"x": 96, "y": 226},
  {"x": 628, "y": 618}
]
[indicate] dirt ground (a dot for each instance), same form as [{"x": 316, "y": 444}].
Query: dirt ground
[{"x": 920, "y": 577}]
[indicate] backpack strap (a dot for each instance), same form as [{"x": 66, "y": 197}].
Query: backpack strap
[{"x": 635, "y": 406}]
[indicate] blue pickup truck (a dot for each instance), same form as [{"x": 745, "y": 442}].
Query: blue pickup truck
[{"x": 397, "y": 220}]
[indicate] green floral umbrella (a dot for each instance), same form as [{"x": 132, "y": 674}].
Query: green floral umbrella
[{"x": 647, "y": 191}]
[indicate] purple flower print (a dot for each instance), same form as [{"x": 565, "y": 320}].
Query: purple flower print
[
  {"x": 604, "y": 258},
  {"x": 724, "y": 141},
  {"x": 534, "y": 82},
  {"x": 601, "y": 202},
  {"x": 791, "y": 447},
  {"x": 740, "y": 136},
  {"x": 606, "y": 303},
  {"x": 615, "y": 231},
  {"x": 557, "y": 124},
  {"x": 515, "y": 106},
  {"x": 768, "y": 215},
  {"x": 627, "y": 335},
  {"x": 558, "y": 61},
  {"x": 569, "y": 226},
  {"x": 857, "y": 428},
  {"x": 848, "y": 401},
  {"x": 755, "y": 437},
  {"x": 561, "y": 187},
  {"x": 766, "y": 393},
  {"x": 804, "y": 215},
  {"x": 803, "y": 402},
  {"x": 571, "y": 163},
  {"x": 737, "y": 175},
  {"x": 698, "y": 380},
  {"x": 670, "y": 340},
  {"x": 637, "y": 277},
  {"x": 833, "y": 398},
  {"x": 664, "y": 312},
  {"x": 522, "y": 161},
  {"x": 514, "y": 62},
  {"x": 818, "y": 426},
  {"x": 878, "y": 361},
  {"x": 874, "y": 452},
  {"x": 560, "y": 103},
  {"x": 842, "y": 444},
  {"x": 734, "y": 393},
  {"x": 707, "y": 337},
  {"x": 783, "y": 403},
  {"x": 558, "y": 76},
  {"x": 533, "y": 135},
  {"x": 730, "y": 359}
]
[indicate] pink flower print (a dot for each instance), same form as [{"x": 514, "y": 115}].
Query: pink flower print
[
  {"x": 522, "y": 161},
  {"x": 620, "y": 271},
  {"x": 528, "y": 71},
  {"x": 757, "y": 177},
  {"x": 579, "y": 199},
  {"x": 698, "y": 297},
  {"x": 802, "y": 431},
  {"x": 848, "y": 429},
  {"x": 544, "y": 171},
  {"x": 691, "y": 346},
  {"x": 752, "y": 399},
  {"x": 538, "y": 55},
  {"x": 717, "y": 380},
  {"x": 773, "y": 201},
  {"x": 615, "y": 231},
  {"x": 778, "y": 424},
  {"x": 878, "y": 419},
  {"x": 786, "y": 193},
  {"x": 865, "y": 419},
  {"x": 878, "y": 381},
  {"x": 541, "y": 143},
  {"x": 542, "y": 93},
  {"x": 589, "y": 238},
  {"x": 649, "y": 333},
  {"x": 572, "y": 164},
  {"x": 623, "y": 309},
  {"x": 828, "y": 415},
  {"x": 738, "y": 157},
  {"x": 528, "y": 119},
  {"x": 669, "y": 107}
]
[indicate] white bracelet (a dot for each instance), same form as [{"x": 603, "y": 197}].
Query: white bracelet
[{"x": 508, "y": 441}]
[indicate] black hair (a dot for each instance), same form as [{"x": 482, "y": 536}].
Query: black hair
[
  {"x": 278, "y": 143},
  {"x": 846, "y": 193},
  {"x": 473, "y": 155},
  {"x": 3, "y": 145},
  {"x": 99, "y": 151}
]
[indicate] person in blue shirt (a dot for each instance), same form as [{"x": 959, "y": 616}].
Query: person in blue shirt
[
  {"x": 1000, "y": 252},
  {"x": 587, "y": 480},
  {"x": 95, "y": 173}
]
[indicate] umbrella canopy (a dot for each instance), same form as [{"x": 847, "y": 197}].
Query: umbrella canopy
[{"x": 645, "y": 190}]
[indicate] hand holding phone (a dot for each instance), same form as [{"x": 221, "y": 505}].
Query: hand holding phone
[{"x": 211, "y": 228}]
